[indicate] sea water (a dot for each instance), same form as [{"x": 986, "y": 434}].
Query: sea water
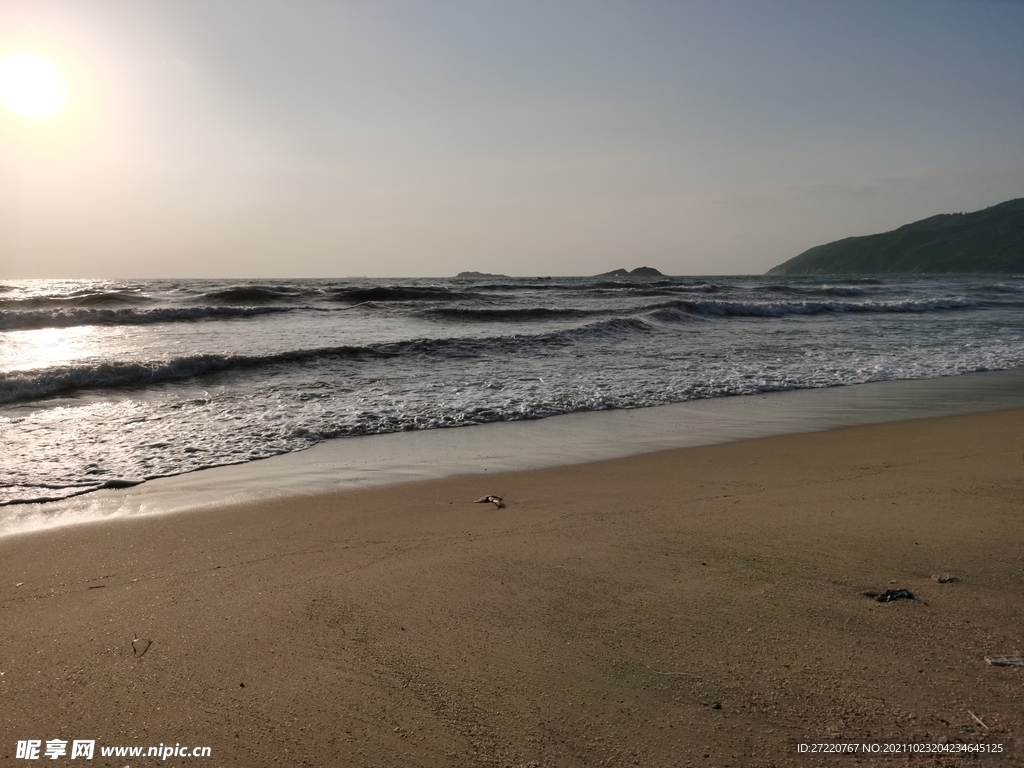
[{"x": 111, "y": 383}]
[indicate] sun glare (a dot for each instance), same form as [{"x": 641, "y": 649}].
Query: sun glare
[{"x": 32, "y": 87}]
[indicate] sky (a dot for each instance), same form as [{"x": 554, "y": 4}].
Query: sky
[{"x": 254, "y": 139}]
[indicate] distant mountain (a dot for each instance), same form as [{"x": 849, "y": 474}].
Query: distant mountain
[
  {"x": 990, "y": 240},
  {"x": 638, "y": 272},
  {"x": 478, "y": 275}
]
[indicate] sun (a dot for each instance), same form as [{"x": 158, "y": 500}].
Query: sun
[{"x": 32, "y": 87}]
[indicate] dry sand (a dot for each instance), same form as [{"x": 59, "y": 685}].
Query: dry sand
[{"x": 700, "y": 606}]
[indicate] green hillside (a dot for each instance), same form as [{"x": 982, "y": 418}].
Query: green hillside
[{"x": 990, "y": 240}]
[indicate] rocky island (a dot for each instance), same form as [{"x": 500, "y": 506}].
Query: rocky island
[{"x": 638, "y": 272}]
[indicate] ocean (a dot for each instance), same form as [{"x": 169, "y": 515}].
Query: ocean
[{"x": 109, "y": 383}]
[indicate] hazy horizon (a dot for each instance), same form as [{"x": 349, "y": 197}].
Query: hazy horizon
[{"x": 317, "y": 139}]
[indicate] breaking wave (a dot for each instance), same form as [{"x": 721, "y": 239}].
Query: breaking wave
[
  {"x": 252, "y": 294},
  {"x": 396, "y": 293},
  {"x": 524, "y": 314},
  {"x": 781, "y": 309},
  {"x": 77, "y": 299},
  {"x": 21, "y": 386},
  {"x": 827, "y": 290}
]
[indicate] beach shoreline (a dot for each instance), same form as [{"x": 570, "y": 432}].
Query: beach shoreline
[
  {"x": 153, "y": 379},
  {"x": 696, "y": 606},
  {"x": 574, "y": 438}
]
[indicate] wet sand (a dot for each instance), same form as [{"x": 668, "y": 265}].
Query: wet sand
[{"x": 699, "y": 606}]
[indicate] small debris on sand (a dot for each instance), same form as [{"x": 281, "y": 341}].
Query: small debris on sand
[
  {"x": 1005, "y": 661},
  {"x": 890, "y": 594},
  {"x": 140, "y": 645},
  {"x": 977, "y": 719},
  {"x": 495, "y": 500},
  {"x": 945, "y": 578}
]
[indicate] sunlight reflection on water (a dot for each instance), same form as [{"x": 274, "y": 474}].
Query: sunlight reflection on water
[{"x": 46, "y": 347}]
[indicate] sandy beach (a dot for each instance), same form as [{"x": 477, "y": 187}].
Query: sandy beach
[{"x": 700, "y": 606}]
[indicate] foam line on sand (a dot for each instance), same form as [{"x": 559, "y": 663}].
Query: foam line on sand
[{"x": 558, "y": 441}]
